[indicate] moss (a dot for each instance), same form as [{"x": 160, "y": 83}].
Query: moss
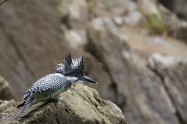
[{"x": 157, "y": 25}]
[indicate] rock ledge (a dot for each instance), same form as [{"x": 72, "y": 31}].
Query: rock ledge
[{"x": 80, "y": 105}]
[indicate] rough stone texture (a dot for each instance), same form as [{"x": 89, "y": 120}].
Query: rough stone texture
[
  {"x": 177, "y": 6},
  {"x": 100, "y": 45},
  {"x": 180, "y": 31},
  {"x": 160, "y": 19},
  {"x": 176, "y": 27},
  {"x": 172, "y": 71},
  {"x": 4, "y": 105},
  {"x": 81, "y": 105},
  {"x": 6, "y": 92},
  {"x": 35, "y": 36},
  {"x": 180, "y": 8},
  {"x": 145, "y": 96}
]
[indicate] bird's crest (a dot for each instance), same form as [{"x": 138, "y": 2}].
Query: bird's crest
[{"x": 71, "y": 66}]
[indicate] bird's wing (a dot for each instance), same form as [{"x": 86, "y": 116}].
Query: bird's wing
[{"x": 50, "y": 82}]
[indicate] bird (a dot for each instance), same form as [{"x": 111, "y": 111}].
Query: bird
[{"x": 52, "y": 85}]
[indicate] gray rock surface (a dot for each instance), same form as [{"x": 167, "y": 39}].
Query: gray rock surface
[
  {"x": 176, "y": 26},
  {"x": 114, "y": 37},
  {"x": 80, "y": 105},
  {"x": 146, "y": 100},
  {"x": 177, "y": 6},
  {"x": 35, "y": 43},
  {"x": 172, "y": 71},
  {"x": 6, "y": 92}
]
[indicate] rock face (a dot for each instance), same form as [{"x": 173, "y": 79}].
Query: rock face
[
  {"x": 6, "y": 92},
  {"x": 172, "y": 71},
  {"x": 145, "y": 96},
  {"x": 80, "y": 105},
  {"x": 177, "y": 6},
  {"x": 118, "y": 49},
  {"x": 38, "y": 41}
]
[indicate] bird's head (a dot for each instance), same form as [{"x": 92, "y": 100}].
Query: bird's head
[{"x": 73, "y": 69}]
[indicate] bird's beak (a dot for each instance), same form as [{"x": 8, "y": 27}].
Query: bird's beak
[{"x": 88, "y": 79}]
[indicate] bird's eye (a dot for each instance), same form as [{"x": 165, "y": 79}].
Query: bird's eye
[{"x": 59, "y": 70}]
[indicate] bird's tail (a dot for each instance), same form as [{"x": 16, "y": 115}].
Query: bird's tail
[
  {"x": 25, "y": 96},
  {"x": 25, "y": 104}
]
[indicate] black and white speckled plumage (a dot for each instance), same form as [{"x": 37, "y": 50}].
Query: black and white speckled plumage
[
  {"x": 45, "y": 88},
  {"x": 51, "y": 82},
  {"x": 50, "y": 86}
]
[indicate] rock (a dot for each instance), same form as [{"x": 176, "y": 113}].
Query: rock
[
  {"x": 159, "y": 19},
  {"x": 97, "y": 71},
  {"x": 179, "y": 7},
  {"x": 160, "y": 41},
  {"x": 172, "y": 71},
  {"x": 75, "y": 39},
  {"x": 116, "y": 56},
  {"x": 176, "y": 27},
  {"x": 101, "y": 24},
  {"x": 133, "y": 18},
  {"x": 140, "y": 92},
  {"x": 80, "y": 105},
  {"x": 73, "y": 13},
  {"x": 180, "y": 31},
  {"x": 169, "y": 4},
  {"x": 165, "y": 62},
  {"x": 35, "y": 41},
  {"x": 118, "y": 21},
  {"x": 130, "y": 14},
  {"x": 154, "y": 19},
  {"x": 5, "y": 105},
  {"x": 108, "y": 8},
  {"x": 153, "y": 8},
  {"x": 6, "y": 92},
  {"x": 131, "y": 5}
]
